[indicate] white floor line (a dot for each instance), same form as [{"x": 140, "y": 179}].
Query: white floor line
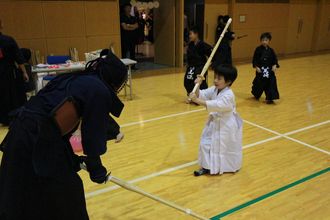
[
  {"x": 307, "y": 145},
  {"x": 262, "y": 142},
  {"x": 172, "y": 169},
  {"x": 307, "y": 128},
  {"x": 294, "y": 132},
  {"x": 161, "y": 117},
  {"x": 261, "y": 127},
  {"x": 111, "y": 188}
]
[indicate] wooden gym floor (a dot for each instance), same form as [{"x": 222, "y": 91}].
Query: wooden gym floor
[{"x": 285, "y": 172}]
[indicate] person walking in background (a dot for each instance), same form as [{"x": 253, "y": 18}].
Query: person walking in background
[
  {"x": 223, "y": 54},
  {"x": 12, "y": 91},
  {"x": 129, "y": 26},
  {"x": 265, "y": 62}
]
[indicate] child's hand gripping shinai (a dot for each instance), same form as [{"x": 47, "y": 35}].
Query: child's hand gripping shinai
[{"x": 208, "y": 63}]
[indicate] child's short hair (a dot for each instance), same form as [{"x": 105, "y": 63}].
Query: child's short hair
[
  {"x": 126, "y": 5},
  {"x": 104, "y": 52},
  {"x": 26, "y": 54},
  {"x": 123, "y": 7},
  {"x": 228, "y": 72},
  {"x": 220, "y": 17},
  {"x": 226, "y": 18},
  {"x": 266, "y": 35},
  {"x": 195, "y": 30}
]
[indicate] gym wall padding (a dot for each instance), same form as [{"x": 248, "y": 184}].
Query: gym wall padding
[{"x": 52, "y": 27}]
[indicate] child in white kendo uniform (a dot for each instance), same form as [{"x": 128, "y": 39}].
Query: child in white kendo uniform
[{"x": 220, "y": 147}]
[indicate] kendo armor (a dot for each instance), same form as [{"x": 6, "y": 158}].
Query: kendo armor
[{"x": 111, "y": 70}]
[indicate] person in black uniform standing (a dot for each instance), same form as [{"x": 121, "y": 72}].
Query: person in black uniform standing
[
  {"x": 129, "y": 26},
  {"x": 197, "y": 53},
  {"x": 12, "y": 89},
  {"x": 223, "y": 54},
  {"x": 265, "y": 62},
  {"x": 38, "y": 172}
]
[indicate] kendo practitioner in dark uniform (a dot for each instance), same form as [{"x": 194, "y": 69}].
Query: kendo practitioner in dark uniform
[
  {"x": 38, "y": 173},
  {"x": 129, "y": 26},
  {"x": 12, "y": 91},
  {"x": 114, "y": 132},
  {"x": 197, "y": 53},
  {"x": 265, "y": 62},
  {"x": 223, "y": 54}
]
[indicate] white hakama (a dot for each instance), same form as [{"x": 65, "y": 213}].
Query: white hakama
[{"x": 221, "y": 142}]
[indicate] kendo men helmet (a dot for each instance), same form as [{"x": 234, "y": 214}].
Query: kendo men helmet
[{"x": 111, "y": 70}]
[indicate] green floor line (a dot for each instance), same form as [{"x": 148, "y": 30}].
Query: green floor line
[{"x": 260, "y": 198}]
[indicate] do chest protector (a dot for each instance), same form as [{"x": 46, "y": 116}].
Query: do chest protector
[{"x": 66, "y": 115}]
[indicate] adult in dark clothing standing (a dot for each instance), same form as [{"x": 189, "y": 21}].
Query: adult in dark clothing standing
[
  {"x": 38, "y": 172},
  {"x": 223, "y": 54},
  {"x": 129, "y": 26},
  {"x": 12, "y": 91}
]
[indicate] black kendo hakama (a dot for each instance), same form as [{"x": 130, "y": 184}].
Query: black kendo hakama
[
  {"x": 223, "y": 54},
  {"x": 38, "y": 173},
  {"x": 265, "y": 58},
  {"x": 12, "y": 91},
  {"x": 196, "y": 58}
]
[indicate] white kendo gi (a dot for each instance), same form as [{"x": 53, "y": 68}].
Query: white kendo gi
[{"x": 221, "y": 142}]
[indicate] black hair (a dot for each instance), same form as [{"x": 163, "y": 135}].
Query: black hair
[
  {"x": 266, "y": 35},
  {"x": 26, "y": 54},
  {"x": 110, "y": 69},
  {"x": 126, "y": 5},
  {"x": 226, "y": 18},
  {"x": 229, "y": 72},
  {"x": 220, "y": 17},
  {"x": 195, "y": 30},
  {"x": 104, "y": 52}
]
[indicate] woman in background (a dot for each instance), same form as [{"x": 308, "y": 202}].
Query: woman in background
[{"x": 11, "y": 79}]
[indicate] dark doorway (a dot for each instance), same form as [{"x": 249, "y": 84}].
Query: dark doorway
[
  {"x": 194, "y": 12},
  {"x": 193, "y": 16},
  {"x": 144, "y": 35}
]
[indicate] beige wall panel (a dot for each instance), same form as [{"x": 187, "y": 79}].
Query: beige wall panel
[
  {"x": 7, "y": 18},
  {"x": 64, "y": 18},
  {"x": 292, "y": 35},
  {"x": 308, "y": 11},
  {"x": 323, "y": 37},
  {"x": 244, "y": 47},
  {"x": 100, "y": 42},
  {"x": 102, "y": 18},
  {"x": 164, "y": 23},
  {"x": 301, "y": 42},
  {"x": 60, "y": 46},
  {"x": 212, "y": 11},
  {"x": 52, "y": 27},
  {"x": 28, "y": 20},
  {"x": 261, "y": 16}
]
